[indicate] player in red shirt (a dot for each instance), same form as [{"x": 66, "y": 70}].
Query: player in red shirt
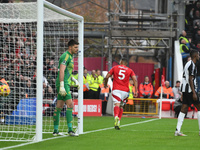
[{"x": 121, "y": 75}]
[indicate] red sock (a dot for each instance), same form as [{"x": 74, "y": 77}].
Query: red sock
[
  {"x": 120, "y": 113},
  {"x": 116, "y": 111}
]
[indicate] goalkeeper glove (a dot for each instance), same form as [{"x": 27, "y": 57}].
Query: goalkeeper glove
[
  {"x": 62, "y": 91},
  {"x": 76, "y": 82}
]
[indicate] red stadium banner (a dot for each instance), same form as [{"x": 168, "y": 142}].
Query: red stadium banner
[{"x": 91, "y": 107}]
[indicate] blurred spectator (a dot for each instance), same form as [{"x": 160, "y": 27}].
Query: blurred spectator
[
  {"x": 46, "y": 63},
  {"x": 73, "y": 86},
  {"x": 29, "y": 89},
  {"x": 131, "y": 92},
  {"x": 145, "y": 91},
  {"x": 20, "y": 84},
  {"x": 183, "y": 36},
  {"x": 51, "y": 77},
  {"x": 51, "y": 64},
  {"x": 187, "y": 26},
  {"x": 86, "y": 78},
  {"x": 187, "y": 43},
  {"x": 146, "y": 88},
  {"x": 198, "y": 46},
  {"x": 93, "y": 85},
  {"x": 194, "y": 13},
  {"x": 178, "y": 98},
  {"x": 104, "y": 95},
  {"x": 184, "y": 50},
  {"x": 100, "y": 78},
  {"x": 197, "y": 37},
  {"x": 167, "y": 91},
  {"x": 47, "y": 90}
]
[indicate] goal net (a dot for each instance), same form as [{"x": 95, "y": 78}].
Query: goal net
[{"x": 21, "y": 55}]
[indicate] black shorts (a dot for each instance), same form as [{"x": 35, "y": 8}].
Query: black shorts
[{"x": 188, "y": 98}]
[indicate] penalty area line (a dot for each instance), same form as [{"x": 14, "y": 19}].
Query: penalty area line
[{"x": 24, "y": 144}]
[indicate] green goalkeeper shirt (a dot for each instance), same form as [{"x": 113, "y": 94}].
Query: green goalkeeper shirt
[{"x": 66, "y": 59}]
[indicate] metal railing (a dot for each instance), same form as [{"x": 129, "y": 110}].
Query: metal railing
[{"x": 141, "y": 106}]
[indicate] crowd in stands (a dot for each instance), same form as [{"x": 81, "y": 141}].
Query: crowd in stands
[
  {"x": 18, "y": 54},
  {"x": 190, "y": 37}
]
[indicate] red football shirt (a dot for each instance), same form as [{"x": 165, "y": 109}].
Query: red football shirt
[{"x": 121, "y": 75}]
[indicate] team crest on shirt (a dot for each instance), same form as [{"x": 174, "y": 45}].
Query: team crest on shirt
[{"x": 64, "y": 62}]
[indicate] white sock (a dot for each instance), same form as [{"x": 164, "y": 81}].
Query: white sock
[
  {"x": 198, "y": 117},
  {"x": 180, "y": 121}
]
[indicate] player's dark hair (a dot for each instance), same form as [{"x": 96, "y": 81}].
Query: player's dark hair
[
  {"x": 193, "y": 53},
  {"x": 178, "y": 81},
  {"x": 72, "y": 42},
  {"x": 124, "y": 60}
]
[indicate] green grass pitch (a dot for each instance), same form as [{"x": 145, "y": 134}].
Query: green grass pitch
[{"x": 135, "y": 133}]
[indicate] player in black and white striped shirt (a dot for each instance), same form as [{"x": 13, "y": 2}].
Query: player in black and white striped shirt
[{"x": 189, "y": 93}]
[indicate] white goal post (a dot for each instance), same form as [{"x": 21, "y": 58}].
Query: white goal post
[
  {"x": 32, "y": 38},
  {"x": 39, "y": 67}
]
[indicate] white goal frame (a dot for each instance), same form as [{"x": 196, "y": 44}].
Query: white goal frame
[{"x": 40, "y": 23}]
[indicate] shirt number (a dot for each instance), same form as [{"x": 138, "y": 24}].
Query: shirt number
[{"x": 121, "y": 74}]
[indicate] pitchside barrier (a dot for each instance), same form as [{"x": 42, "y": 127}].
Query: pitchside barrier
[
  {"x": 141, "y": 106},
  {"x": 167, "y": 110},
  {"x": 25, "y": 114}
]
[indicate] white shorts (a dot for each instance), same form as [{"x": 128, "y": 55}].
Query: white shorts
[{"x": 119, "y": 96}]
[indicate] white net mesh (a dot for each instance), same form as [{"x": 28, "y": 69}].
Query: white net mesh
[{"x": 18, "y": 43}]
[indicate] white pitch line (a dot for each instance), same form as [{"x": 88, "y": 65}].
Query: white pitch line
[
  {"x": 162, "y": 131},
  {"x": 23, "y": 144},
  {"x": 120, "y": 126}
]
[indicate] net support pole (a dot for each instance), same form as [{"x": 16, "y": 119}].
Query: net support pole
[
  {"x": 39, "y": 97},
  {"x": 80, "y": 75}
]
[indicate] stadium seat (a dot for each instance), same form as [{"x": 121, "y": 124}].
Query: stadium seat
[
  {"x": 189, "y": 109},
  {"x": 165, "y": 105},
  {"x": 196, "y": 109},
  {"x": 173, "y": 106}
]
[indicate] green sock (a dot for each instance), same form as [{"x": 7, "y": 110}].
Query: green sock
[
  {"x": 69, "y": 118},
  {"x": 56, "y": 118}
]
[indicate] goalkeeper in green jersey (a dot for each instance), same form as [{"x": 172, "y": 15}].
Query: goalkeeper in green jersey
[{"x": 63, "y": 81}]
